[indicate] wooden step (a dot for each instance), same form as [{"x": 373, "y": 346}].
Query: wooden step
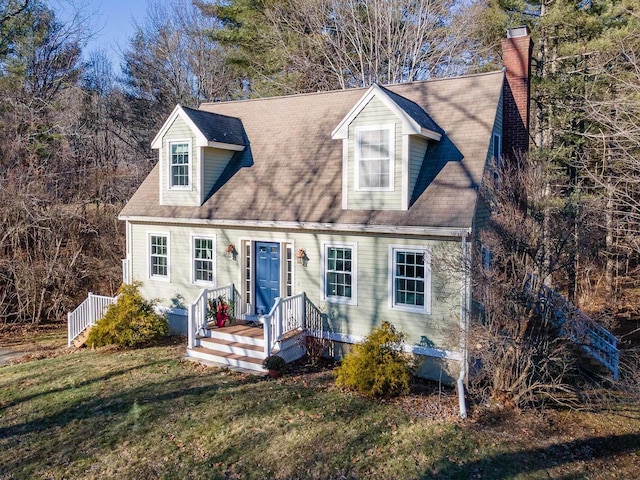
[
  {"x": 81, "y": 339},
  {"x": 226, "y": 359},
  {"x": 229, "y": 346},
  {"x": 238, "y": 333}
]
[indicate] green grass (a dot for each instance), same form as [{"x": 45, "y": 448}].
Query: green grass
[{"x": 148, "y": 414}]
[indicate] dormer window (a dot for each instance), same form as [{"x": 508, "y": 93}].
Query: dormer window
[
  {"x": 374, "y": 164},
  {"x": 180, "y": 163}
]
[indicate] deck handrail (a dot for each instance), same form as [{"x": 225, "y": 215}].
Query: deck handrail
[
  {"x": 87, "y": 314},
  {"x": 197, "y": 311},
  {"x": 289, "y": 314},
  {"x": 313, "y": 318},
  {"x": 575, "y": 325}
]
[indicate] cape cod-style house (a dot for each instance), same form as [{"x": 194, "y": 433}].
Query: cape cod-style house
[
  {"x": 362, "y": 201},
  {"x": 325, "y": 214}
]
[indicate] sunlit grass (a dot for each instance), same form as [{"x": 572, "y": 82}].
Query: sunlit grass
[{"x": 148, "y": 414}]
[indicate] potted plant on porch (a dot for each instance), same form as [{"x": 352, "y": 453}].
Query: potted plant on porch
[
  {"x": 218, "y": 311},
  {"x": 275, "y": 364}
]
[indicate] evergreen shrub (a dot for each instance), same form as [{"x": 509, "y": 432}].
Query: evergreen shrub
[
  {"x": 377, "y": 367},
  {"x": 130, "y": 322}
]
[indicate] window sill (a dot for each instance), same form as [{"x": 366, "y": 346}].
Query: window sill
[
  {"x": 410, "y": 309},
  {"x": 340, "y": 300}
]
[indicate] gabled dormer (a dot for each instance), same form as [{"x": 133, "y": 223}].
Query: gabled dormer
[
  {"x": 385, "y": 138},
  {"x": 194, "y": 147}
]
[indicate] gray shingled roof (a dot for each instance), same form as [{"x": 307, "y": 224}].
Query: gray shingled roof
[
  {"x": 292, "y": 169},
  {"x": 414, "y": 111},
  {"x": 216, "y": 127}
]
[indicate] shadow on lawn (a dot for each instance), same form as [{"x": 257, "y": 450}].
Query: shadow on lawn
[
  {"x": 506, "y": 465},
  {"x": 84, "y": 383}
]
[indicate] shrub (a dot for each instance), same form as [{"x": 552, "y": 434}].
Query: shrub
[
  {"x": 130, "y": 322},
  {"x": 274, "y": 362},
  {"x": 377, "y": 367}
]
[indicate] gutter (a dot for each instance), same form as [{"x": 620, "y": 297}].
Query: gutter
[
  {"x": 464, "y": 326},
  {"x": 316, "y": 226}
]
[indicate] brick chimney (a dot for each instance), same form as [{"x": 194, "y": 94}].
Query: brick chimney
[{"x": 516, "y": 58}]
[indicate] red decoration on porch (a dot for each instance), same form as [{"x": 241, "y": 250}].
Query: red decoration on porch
[{"x": 218, "y": 310}]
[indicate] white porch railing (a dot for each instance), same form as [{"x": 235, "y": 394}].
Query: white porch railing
[
  {"x": 197, "y": 312},
  {"x": 575, "y": 325},
  {"x": 289, "y": 314},
  {"x": 87, "y": 314}
]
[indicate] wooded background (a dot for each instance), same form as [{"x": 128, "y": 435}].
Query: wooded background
[{"x": 75, "y": 130}]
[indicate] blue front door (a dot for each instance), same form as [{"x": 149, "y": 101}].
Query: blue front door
[{"x": 267, "y": 275}]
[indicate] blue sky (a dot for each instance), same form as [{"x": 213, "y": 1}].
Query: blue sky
[{"x": 111, "y": 22}]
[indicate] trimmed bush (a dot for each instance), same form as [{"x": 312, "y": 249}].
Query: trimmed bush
[
  {"x": 130, "y": 322},
  {"x": 377, "y": 367}
]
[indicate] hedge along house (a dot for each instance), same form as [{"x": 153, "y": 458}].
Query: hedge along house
[{"x": 360, "y": 202}]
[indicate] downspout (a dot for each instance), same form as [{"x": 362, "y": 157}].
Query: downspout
[{"x": 464, "y": 324}]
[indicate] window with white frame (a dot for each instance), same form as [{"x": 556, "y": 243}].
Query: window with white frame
[
  {"x": 374, "y": 158},
  {"x": 203, "y": 267},
  {"x": 179, "y": 159},
  {"x": 339, "y": 273},
  {"x": 411, "y": 279},
  {"x": 159, "y": 256}
]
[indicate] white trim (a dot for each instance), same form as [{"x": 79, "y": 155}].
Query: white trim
[
  {"x": 415, "y": 349},
  {"x": 391, "y": 129},
  {"x": 314, "y": 226},
  {"x": 178, "y": 112},
  {"x": 409, "y": 125},
  {"x": 190, "y": 169},
  {"x": 161, "y": 278},
  {"x": 345, "y": 173},
  {"x": 405, "y": 173},
  {"x": 214, "y": 260},
  {"x": 200, "y": 174},
  {"x": 201, "y": 139},
  {"x": 354, "y": 273},
  {"x": 226, "y": 146},
  {"x": 283, "y": 242},
  {"x": 286, "y": 247},
  {"x": 496, "y": 140},
  {"x": 426, "y": 251},
  {"x": 161, "y": 168},
  {"x": 162, "y": 309}
]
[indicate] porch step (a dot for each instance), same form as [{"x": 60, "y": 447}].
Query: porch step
[
  {"x": 81, "y": 339},
  {"x": 226, "y": 358},
  {"x": 242, "y": 333},
  {"x": 237, "y": 348}
]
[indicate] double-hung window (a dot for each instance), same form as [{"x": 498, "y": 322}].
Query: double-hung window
[
  {"x": 410, "y": 281},
  {"x": 203, "y": 258},
  {"x": 179, "y": 159},
  {"x": 340, "y": 273},
  {"x": 159, "y": 256},
  {"x": 375, "y": 158}
]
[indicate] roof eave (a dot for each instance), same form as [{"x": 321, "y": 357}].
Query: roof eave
[{"x": 453, "y": 232}]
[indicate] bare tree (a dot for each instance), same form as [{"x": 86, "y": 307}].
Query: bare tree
[{"x": 359, "y": 42}]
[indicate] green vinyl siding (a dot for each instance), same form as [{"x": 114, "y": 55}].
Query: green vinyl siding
[
  {"x": 417, "y": 152},
  {"x": 179, "y": 131},
  {"x": 214, "y": 161},
  {"x": 371, "y": 306},
  {"x": 375, "y": 113},
  {"x": 483, "y": 212}
]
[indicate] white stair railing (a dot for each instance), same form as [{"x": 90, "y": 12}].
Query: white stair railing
[
  {"x": 313, "y": 319},
  {"x": 575, "y": 325},
  {"x": 87, "y": 314},
  {"x": 197, "y": 311},
  {"x": 286, "y": 315}
]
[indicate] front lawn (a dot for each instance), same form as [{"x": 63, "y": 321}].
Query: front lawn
[{"x": 148, "y": 414}]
